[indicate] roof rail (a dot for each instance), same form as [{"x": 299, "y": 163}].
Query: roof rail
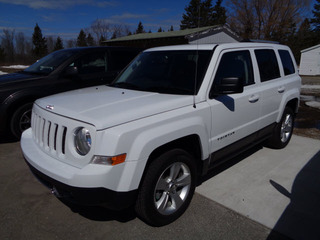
[{"x": 259, "y": 41}]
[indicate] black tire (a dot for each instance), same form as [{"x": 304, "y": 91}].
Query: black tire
[
  {"x": 283, "y": 130},
  {"x": 161, "y": 200},
  {"x": 21, "y": 120}
]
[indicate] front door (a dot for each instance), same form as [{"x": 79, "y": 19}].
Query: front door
[{"x": 234, "y": 116}]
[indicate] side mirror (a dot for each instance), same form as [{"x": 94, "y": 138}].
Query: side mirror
[
  {"x": 230, "y": 85},
  {"x": 71, "y": 71}
]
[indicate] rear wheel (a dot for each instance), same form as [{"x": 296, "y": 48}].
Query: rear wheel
[
  {"x": 167, "y": 188},
  {"x": 21, "y": 120},
  {"x": 283, "y": 131}
]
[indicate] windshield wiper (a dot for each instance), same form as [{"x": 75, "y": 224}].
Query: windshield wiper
[{"x": 170, "y": 90}]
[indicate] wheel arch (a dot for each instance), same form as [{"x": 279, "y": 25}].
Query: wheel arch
[
  {"x": 191, "y": 144},
  {"x": 14, "y": 104},
  {"x": 292, "y": 100}
]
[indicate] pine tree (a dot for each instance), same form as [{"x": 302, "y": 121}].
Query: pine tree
[
  {"x": 160, "y": 29},
  {"x": 316, "y": 16},
  {"x": 58, "y": 45},
  {"x": 219, "y": 14},
  {"x": 190, "y": 19},
  {"x": 171, "y": 29},
  {"x": 90, "y": 40},
  {"x": 40, "y": 47},
  {"x": 140, "y": 28},
  {"x": 82, "y": 39},
  {"x": 302, "y": 39},
  {"x": 202, "y": 14},
  {"x": 102, "y": 40},
  {"x": 206, "y": 13}
]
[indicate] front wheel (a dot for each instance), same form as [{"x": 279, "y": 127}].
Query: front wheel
[
  {"x": 167, "y": 188},
  {"x": 21, "y": 120},
  {"x": 283, "y": 130}
]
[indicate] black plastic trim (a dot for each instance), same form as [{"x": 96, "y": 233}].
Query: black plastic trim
[
  {"x": 87, "y": 196},
  {"x": 234, "y": 149}
]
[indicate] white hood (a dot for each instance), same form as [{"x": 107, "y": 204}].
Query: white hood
[{"x": 106, "y": 107}]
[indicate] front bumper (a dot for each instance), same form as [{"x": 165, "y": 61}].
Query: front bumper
[
  {"x": 87, "y": 196},
  {"x": 93, "y": 184}
]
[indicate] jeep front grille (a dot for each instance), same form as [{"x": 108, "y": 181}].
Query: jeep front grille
[{"x": 49, "y": 135}]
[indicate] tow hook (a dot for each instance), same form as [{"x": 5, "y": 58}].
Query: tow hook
[{"x": 55, "y": 192}]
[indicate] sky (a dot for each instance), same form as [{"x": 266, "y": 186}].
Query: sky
[{"x": 65, "y": 18}]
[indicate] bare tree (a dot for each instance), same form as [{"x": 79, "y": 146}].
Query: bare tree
[
  {"x": 270, "y": 20},
  {"x": 71, "y": 43},
  {"x": 20, "y": 43},
  {"x": 8, "y": 44},
  {"x": 101, "y": 29}
]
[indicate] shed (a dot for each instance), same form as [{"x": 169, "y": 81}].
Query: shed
[
  {"x": 211, "y": 34},
  {"x": 310, "y": 61}
]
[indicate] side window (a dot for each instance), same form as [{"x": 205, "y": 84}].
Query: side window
[
  {"x": 121, "y": 58},
  {"x": 235, "y": 64},
  {"x": 268, "y": 64},
  {"x": 91, "y": 63},
  {"x": 287, "y": 63}
]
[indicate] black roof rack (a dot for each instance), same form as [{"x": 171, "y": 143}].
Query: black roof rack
[{"x": 259, "y": 41}]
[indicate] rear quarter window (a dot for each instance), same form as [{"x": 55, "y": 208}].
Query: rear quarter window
[
  {"x": 268, "y": 64},
  {"x": 287, "y": 62}
]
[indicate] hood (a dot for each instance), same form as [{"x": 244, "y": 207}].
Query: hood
[
  {"x": 106, "y": 107},
  {"x": 17, "y": 77}
]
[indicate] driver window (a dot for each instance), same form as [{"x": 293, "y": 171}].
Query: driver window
[
  {"x": 235, "y": 64},
  {"x": 91, "y": 63}
]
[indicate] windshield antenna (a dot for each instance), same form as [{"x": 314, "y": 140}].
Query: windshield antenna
[{"x": 197, "y": 58}]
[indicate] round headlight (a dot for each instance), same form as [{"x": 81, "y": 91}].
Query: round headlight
[{"x": 82, "y": 141}]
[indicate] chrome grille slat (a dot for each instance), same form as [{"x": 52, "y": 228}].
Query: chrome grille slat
[
  {"x": 45, "y": 134},
  {"x": 59, "y": 139},
  {"x": 50, "y": 136},
  {"x": 53, "y": 135}
]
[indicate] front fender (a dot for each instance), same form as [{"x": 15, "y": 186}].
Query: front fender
[{"x": 138, "y": 139}]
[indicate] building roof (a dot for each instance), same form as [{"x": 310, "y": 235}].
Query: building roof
[
  {"x": 310, "y": 48},
  {"x": 188, "y": 33}
]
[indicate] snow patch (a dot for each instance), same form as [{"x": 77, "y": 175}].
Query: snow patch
[
  {"x": 3, "y": 73},
  {"x": 313, "y": 104},
  {"x": 15, "y": 66},
  {"x": 310, "y": 86}
]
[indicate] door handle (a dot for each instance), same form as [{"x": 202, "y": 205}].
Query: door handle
[
  {"x": 254, "y": 98},
  {"x": 281, "y": 89}
]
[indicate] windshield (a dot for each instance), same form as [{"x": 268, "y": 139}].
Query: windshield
[
  {"x": 49, "y": 63},
  {"x": 172, "y": 72}
]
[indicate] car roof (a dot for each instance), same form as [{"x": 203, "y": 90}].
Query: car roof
[{"x": 212, "y": 46}]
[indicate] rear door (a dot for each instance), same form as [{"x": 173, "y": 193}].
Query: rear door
[
  {"x": 235, "y": 116},
  {"x": 273, "y": 86}
]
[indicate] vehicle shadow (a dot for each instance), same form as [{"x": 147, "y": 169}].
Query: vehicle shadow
[
  {"x": 7, "y": 138},
  {"x": 301, "y": 218},
  {"x": 97, "y": 213}
]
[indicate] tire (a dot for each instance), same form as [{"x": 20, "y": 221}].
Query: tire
[
  {"x": 21, "y": 120},
  {"x": 167, "y": 188},
  {"x": 283, "y": 130}
]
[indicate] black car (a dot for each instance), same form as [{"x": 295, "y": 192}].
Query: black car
[{"x": 59, "y": 71}]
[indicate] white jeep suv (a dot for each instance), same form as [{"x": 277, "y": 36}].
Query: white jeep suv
[{"x": 169, "y": 118}]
